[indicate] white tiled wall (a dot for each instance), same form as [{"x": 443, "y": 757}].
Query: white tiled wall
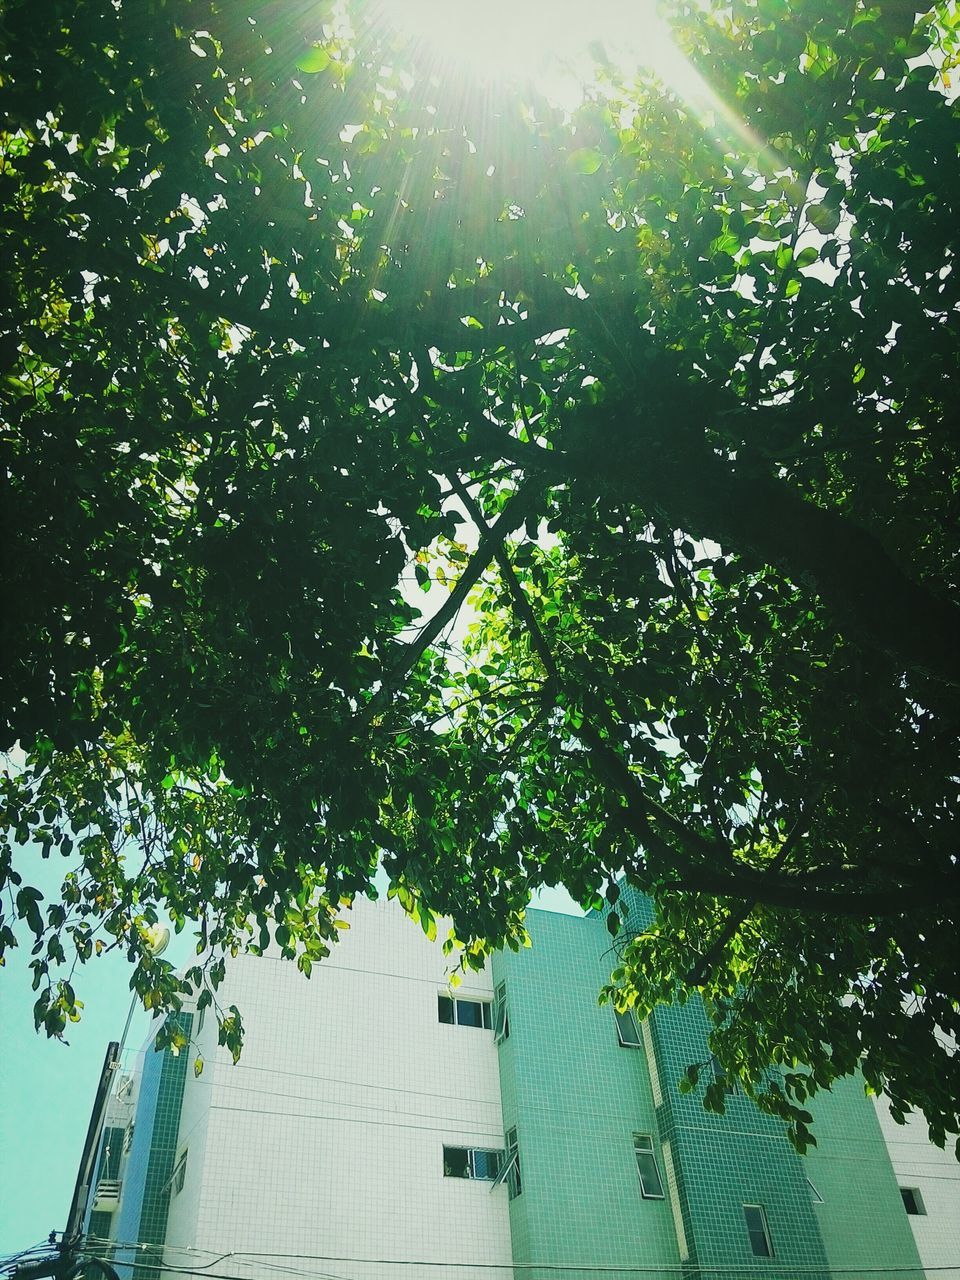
[
  {"x": 325, "y": 1143},
  {"x": 936, "y": 1174}
]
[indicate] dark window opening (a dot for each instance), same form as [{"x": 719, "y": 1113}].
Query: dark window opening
[
  {"x": 471, "y": 1162},
  {"x": 912, "y": 1201},
  {"x": 651, "y": 1184},
  {"x": 627, "y": 1031},
  {"x": 463, "y": 1012},
  {"x": 756, "y": 1220},
  {"x": 514, "y": 1184}
]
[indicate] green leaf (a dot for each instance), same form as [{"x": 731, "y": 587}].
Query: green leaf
[
  {"x": 585, "y": 160},
  {"x": 318, "y": 59}
]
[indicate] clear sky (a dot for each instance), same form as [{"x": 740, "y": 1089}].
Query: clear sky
[{"x": 47, "y": 1088}]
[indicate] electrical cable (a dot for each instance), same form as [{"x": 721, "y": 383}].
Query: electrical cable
[
  {"x": 325, "y": 1102},
  {"x": 386, "y": 1124},
  {"x": 680, "y": 1269},
  {"x": 354, "y": 1084}
]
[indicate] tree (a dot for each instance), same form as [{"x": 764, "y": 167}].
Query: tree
[{"x": 397, "y": 472}]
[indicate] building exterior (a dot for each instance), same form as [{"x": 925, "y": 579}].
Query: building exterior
[{"x": 380, "y": 1124}]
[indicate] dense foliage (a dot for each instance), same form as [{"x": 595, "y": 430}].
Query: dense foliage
[{"x": 398, "y": 469}]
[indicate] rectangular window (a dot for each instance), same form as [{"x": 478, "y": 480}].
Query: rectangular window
[
  {"x": 627, "y": 1029},
  {"x": 913, "y": 1201},
  {"x": 756, "y": 1220},
  {"x": 651, "y": 1184},
  {"x": 501, "y": 1020},
  {"x": 463, "y": 1012},
  {"x": 514, "y": 1185},
  {"x": 510, "y": 1169},
  {"x": 471, "y": 1162}
]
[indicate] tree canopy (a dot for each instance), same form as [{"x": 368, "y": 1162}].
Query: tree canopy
[{"x": 400, "y": 470}]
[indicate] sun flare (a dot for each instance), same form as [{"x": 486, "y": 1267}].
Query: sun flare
[{"x": 555, "y": 46}]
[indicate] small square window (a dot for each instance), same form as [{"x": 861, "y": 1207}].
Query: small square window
[
  {"x": 469, "y": 1013},
  {"x": 756, "y": 1219},
  {"x": 651, "y": 1184},
  {"x": 456, "y": 1162},
  {"x": 913, "y": 1201}
]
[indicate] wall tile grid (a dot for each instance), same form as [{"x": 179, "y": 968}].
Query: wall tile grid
[
  {"x": 326, "y": 1140},
  {"x": 576, "y": 1098},
  {"x": 743, "y": 1157},
  {"x": 936, "y": 1174},
  {"x": 142, "y": 1216},
  {"x": 325, "y": 1143}
]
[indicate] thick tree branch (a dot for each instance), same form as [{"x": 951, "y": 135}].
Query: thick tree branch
[{"x": 405, "y": 657}]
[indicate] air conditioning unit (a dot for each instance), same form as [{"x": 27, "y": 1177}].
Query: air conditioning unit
[{"x": 107, "y": 1195}]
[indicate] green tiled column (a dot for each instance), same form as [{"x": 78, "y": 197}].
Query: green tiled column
[
  {"x": 146, "y": 1192},
  {"x": 576, "y": 1099}
]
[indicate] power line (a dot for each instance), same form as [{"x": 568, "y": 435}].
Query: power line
[
  {"x": 386, "y": 1124},
  {"x": 559, "y": 1267},
  {"x": 324, "y": 1102},
  {"x": 354, "y": 1084}
]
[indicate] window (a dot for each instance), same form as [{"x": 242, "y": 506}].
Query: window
[
  {"x": 471, "y": 1162},
  {"x": 627, "y": 1029},
  {"x": 510, "y": 1169},
  {"x": 179, "y": 1174},
  {"x": 651, "y": 1184},
  {"x": 912, "y": 1201},
  {"x": 465, "y": 1013},
  {"x": 814, "y": 1193},
  {"x": 501, "y": 1021},
  {"x": 757, "y": 1229}
]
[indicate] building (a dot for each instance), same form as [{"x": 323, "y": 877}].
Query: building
[{"x": 380, "y": 1124}]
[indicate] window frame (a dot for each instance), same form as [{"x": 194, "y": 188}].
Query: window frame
[
  {"x": 455, "y": 1003},
  {"x": 510, "y": 1169},
  {"x": 501, "y": 1014},
  {"x": 631, "y": 1022},
  {"x": 644, "y": 1145},
  {"x": 764, "y": 1227},
  {"x": 471, "y": 1163},
  {"x": 920, "y": 1209}
]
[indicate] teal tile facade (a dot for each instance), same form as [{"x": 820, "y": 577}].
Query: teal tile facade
[
  {"x": 146, "y": 1194},
  {"x": 577, "y": 1097}
]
